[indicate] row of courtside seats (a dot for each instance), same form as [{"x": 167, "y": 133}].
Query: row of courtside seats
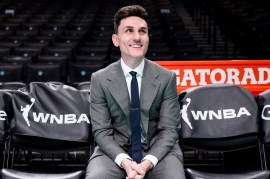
[{"x": 43, "y": 121}]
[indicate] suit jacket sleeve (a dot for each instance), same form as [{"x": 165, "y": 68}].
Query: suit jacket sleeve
[
  {"x": 101, "y": 121},
  {"x": 169, "y": 121}
]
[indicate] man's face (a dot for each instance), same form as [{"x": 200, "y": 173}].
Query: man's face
[{"x": 132, "y": 38}]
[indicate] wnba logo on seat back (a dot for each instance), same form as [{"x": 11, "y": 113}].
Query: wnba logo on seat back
[
  {"x": 210, "y": 114},
  {"x": 41, "y": 117}
]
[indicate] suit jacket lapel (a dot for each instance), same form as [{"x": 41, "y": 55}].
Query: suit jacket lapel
[
  {"x": 149, "y": 89},
  {"x": 118, "y": 87}
]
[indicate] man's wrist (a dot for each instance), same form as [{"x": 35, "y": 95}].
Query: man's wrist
[
  {"x": 152, "y": 159},
  {"x": 147, "y": 164},
  {"x": 126, "y": 162},
  {"x": 120, "y": 157}
]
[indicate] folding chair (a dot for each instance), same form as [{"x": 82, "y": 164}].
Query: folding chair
[
  {"x": 263, "y": 101},
  {"x": 54, "y": 121},
  {"x": 220, "y": 118}
]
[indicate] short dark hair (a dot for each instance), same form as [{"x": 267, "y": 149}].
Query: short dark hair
[{"x": 127, "y": 11}]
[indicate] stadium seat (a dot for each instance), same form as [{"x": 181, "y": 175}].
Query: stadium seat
[
  {"x": 9, "y": 26},
  {"x": 93, "y": 51},
  {"x": 11, "y": 45},
  {"x": 28, "y": 51},
  {"x": 160, "y": 56},
  {"x": 221, "y": 118},
  {"x": 62, "y": 60},
  {"x": 46, "y": 131},
  {"x": 17, "y": 60},
  {"x": 263, "y": 100},
  {"x": 50, "y": 33},
  {"x": 27, "y": 33},
  {"x": 43, "y": 38},
  {"x": 80, "y": 72},
  {"x": 59, "y": 51},
  {"x": 70, "y": 38},
  {"x": 94, "y": 44},
  {"x": 65, "y": 43},
  {"x": 11, "y": 72},
  {"x": 36, "y": 43},
  {"x": 55, "y": 26},
  {"x": 17, "y": 38},
  {"x": 98, "y": 59},
  {"x": 31, "y": 26},
  {"x": 4, "y": 51},
  {"x": 42, "y": 72}
]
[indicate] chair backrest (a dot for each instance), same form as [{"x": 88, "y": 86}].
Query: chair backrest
[
  {"x": 263, "y": 100},
  {"x": 218, "y": 117},
  {"x": 50, "y": 117},
  {"x": 17, "y": 60},
  {"x": 62, "y": 60},
  {"x": 4, "y": 51},
  {"x": 10, "y": 72},
  {"x": 80, "y": 72},
  {"x": 59, "y": 51},
  {"x": 28, "y": 51},
  {"x": 42, "y": 72}
]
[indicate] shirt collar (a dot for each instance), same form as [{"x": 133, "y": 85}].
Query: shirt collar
[{"x": 127, "y": 69}]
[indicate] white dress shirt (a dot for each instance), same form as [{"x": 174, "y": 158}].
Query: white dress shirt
[{"x": 139, "y": 69}]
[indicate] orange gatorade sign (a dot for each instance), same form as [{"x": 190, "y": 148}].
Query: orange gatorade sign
[{"x": 251, "y": 74}]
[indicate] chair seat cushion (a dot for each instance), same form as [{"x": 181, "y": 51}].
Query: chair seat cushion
[
  {"x": 16, "y": 174},
  {"x": 194, "y": 174}
]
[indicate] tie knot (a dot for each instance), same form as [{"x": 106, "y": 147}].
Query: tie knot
[{"x": 133, "y": 73}]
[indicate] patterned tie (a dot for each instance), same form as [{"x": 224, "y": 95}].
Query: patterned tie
[{"x": 136, "y": 146}]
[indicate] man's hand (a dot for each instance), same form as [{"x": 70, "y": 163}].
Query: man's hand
[
  {"x": 146, "y": 165},
  {"x": 133, "y": 170}
]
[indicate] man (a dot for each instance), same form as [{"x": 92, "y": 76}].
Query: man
[{"x": 111, "y": 110}]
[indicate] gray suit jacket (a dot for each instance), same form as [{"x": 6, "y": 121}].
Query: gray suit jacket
[{"x": 110, "y": 111}]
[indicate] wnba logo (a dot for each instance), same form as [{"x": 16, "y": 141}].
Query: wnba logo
[
  {"x": 184, "y": 114},
  {"x": 219, "y": 114},
  {"x": 25, "y": 110},
  {"x": 40, "y": 117}
]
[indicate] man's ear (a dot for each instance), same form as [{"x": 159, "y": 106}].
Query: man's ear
[{"x": 115, "y": 40}]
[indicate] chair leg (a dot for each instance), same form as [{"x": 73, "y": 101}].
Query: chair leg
[
  {"x": 7, "y": 153},
  {"x": 4, "y": 158},
  {"x": 262, "y": 155},
  {"x": 13, "y": 158}
]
